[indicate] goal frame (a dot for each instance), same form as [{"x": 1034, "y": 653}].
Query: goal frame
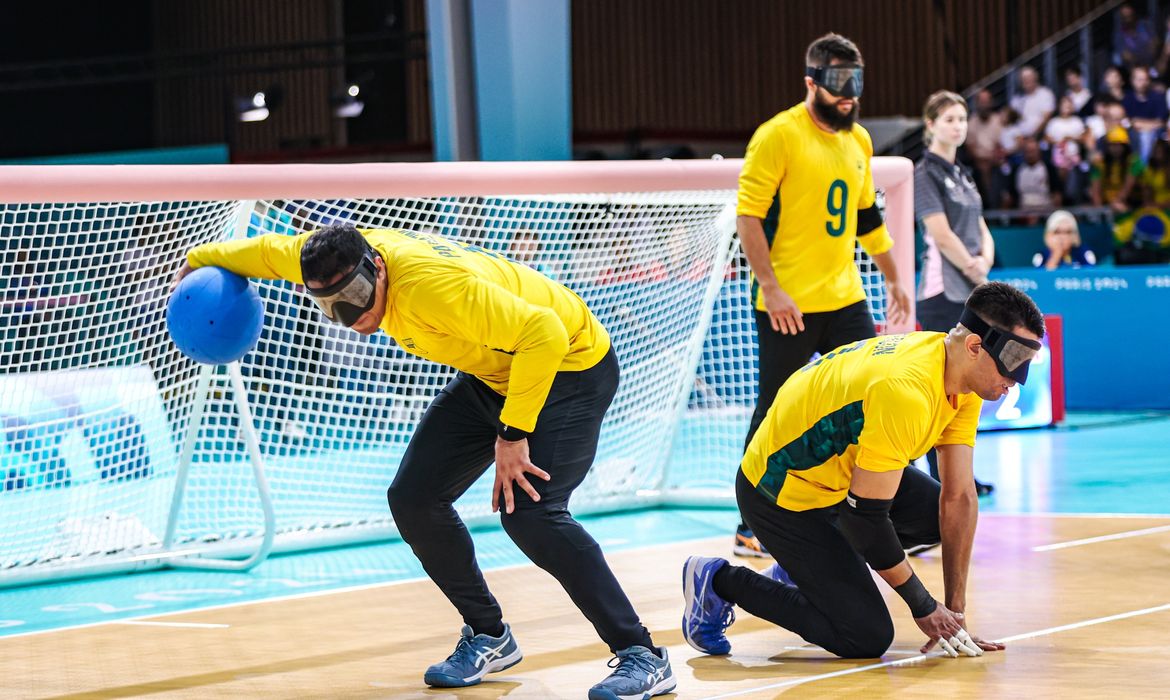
[{"x": 92, "y": 184}]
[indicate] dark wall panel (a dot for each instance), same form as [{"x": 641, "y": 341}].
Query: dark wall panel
[{"x": 723, "y": 67}]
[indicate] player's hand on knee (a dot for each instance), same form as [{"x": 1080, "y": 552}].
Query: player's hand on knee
[{"x": 512, "y": 463}]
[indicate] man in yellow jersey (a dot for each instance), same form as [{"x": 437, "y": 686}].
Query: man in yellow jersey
[
  {"x": 806, "y": 195},
  {"x": 537, "y": 373},
  {"x": 824, "y": 485}
]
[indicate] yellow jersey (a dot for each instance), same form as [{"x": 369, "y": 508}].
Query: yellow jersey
[
  {"x": 458, "y": 305},
  {"x": 807, "y": 185},
  {"x": 876, "y": 403}
]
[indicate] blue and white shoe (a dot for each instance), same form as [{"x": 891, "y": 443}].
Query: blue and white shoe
[
  {"x": 639, "y": 674},
  {"x": 475, "y": 656},
  {"x": 706, "y": 615},
  {"x": 778, "y": 574}
]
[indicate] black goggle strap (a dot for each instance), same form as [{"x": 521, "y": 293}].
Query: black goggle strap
[
  {"x": 840, "y": 81},
  {"x": 1011, "y": 352},
  {"x": 355, "y": 289}
]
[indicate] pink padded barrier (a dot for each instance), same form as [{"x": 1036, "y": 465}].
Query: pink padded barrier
[{"x": 123, "y": 183}]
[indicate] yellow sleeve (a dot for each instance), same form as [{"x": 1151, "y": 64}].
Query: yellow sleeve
[
  {"x": 877, "y": 241},
  {"x": 462, "y": 305},
  {"x": 763, "y": 169},
  {"x": 897, "y": 418},
  {"x": 271, "y": 256},
  {"x": 961, "y": 429}
]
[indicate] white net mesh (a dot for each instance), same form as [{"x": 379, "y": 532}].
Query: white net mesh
[{"x": 95, "y": 401}]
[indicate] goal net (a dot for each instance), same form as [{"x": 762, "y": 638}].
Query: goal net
[{"x": 97, "y": 405}]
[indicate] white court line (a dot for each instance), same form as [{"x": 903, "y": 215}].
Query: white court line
[
  {"x": 195, "y": 625},
  {"x": 1089, "y": 516},
  {"x": 1102, "y": 538},
  {"x": 386, "y": 584},
  {"x": 922, "y": 657},
  {"x": 1087, "y": 623}
]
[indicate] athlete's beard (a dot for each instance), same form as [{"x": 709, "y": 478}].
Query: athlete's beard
[{"x": 828, "y": 113}]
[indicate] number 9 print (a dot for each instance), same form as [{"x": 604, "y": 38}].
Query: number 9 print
[{"x": 837, "y": 199}]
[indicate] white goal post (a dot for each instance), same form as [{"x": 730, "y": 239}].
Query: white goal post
[{"x": 119, "y": 454}]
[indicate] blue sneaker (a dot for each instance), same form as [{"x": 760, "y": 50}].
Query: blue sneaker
[
  {"x": 707, "y": 615},
  {"x": 639, "y": 674},
  {"x": 475, "y": 656},
  {"x": 778, "y": 574}
]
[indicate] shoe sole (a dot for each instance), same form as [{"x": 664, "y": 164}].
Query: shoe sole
[
  {"x": 664, "y": 686},
  {"x": 920, "y": 548},
  {"x": 740, "y": 550},
  {"x": 689, "y": 599},
  {"x": 442, "y": 680}
]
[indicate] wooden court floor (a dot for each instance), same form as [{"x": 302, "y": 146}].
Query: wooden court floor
[{"x": 1083, "y": 602}]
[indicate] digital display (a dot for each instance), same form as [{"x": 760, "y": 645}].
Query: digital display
[{"x": 1027, "y": 406}]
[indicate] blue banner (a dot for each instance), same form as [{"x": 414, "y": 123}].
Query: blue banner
[{"x": 1116, "y": 336}]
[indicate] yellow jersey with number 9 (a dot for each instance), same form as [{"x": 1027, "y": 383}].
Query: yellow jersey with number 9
[{"x": 808, "y": 185}]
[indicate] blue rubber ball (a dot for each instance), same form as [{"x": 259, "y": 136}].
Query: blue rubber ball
[{"x": 215, "y": 316}]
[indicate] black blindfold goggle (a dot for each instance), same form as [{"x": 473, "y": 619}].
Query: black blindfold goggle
[
  {"x": 840, "y": 81},
  {"x": 1012, "y": 353},
  {"x": 347, "y": 299}
]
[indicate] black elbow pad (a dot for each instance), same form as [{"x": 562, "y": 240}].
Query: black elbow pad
[
  {"x": 868, "y": 220},
  {"x": 866, "y": 524}
]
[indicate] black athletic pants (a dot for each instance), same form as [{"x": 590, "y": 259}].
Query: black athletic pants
[
  {"x": 454, "y": 444},
  {"x": 835, "y": 603}
]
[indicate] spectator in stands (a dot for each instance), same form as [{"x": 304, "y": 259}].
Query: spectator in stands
[
  {"x": 984, "y": 128},
  {"x": 1146, "y": 108},
  {"x": 959, "y": 248},
  {"x": 1075, "y": 89},
  {"x": 1034, "y": 102},
  {"x": 1010, "y": 135},
  {"x": 1154, "y": 179},
  {"x": 1162, "y": 64},
  {"x": 1107, "y": 113},
  {"x": 1064, "y": 134},
  {"x": 1112, "y": 83},
  {"x": 1135, "y": 42},
  {"x": 1109, "y": 179},
  {"x": 1062, "y": 244},
  {"x": 1034, "y": 183}
]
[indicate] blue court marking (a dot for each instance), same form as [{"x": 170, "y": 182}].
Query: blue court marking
[{"x": 1099, "y": 463}]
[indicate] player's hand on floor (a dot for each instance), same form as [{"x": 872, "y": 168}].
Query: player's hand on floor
[
  {"x": 988, "y": 646},
  {"x": 512, "y": 463},
  {"x": 944, "y": 627},
  {"x": 956, "y": 645}
]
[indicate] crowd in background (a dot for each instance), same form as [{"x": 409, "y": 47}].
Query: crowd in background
[{"x": 1102, "y": 142}]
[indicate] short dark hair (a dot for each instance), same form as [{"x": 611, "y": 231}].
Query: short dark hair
[
  {"x": 1075, "y": 70},
  {"x": 1004, "y": 306},
  {"x": 332, "y": 250},
  {"x": 822, "y": 51}
]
